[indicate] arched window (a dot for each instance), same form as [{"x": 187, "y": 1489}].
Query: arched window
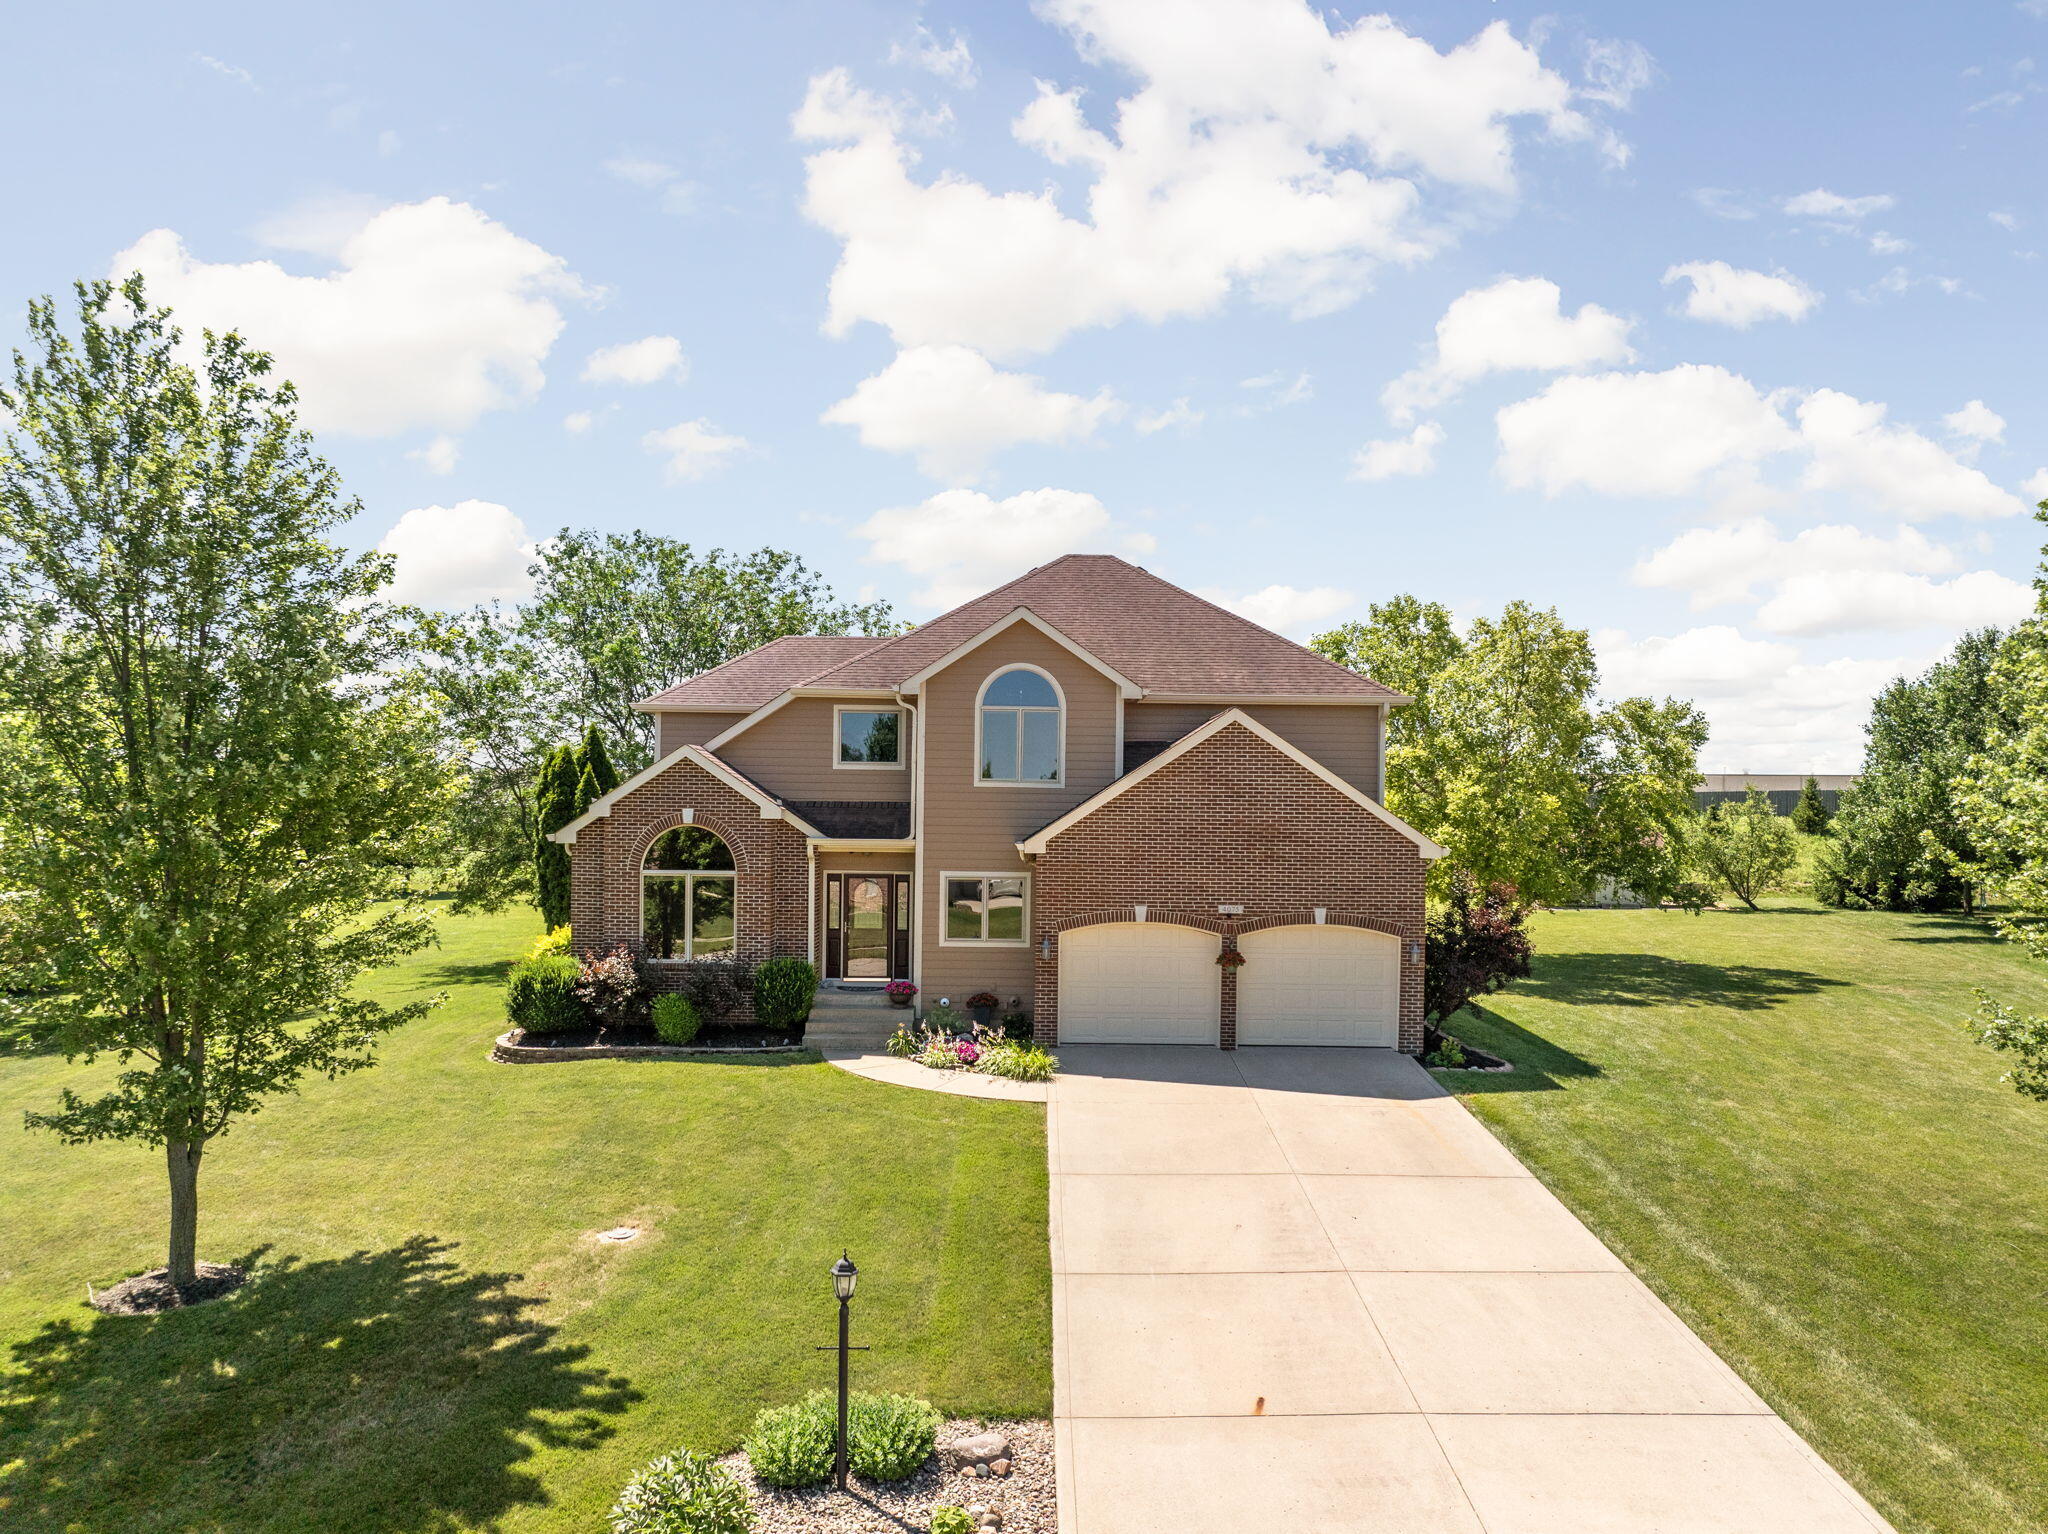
[
  {"x": 1021, "y": 730},
  {"x": 686, "y": 895}
]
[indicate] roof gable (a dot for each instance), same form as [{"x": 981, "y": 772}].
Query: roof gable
[
  {"x": 747, "y": 681},
  {"x": 1039, "y": 840}
]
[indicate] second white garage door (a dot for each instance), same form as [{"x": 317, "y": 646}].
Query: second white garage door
[
  {"x": 1319, "y": 985},
  {"x": 1135, "y": 982}
]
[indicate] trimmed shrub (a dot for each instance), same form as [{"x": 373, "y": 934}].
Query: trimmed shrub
[
  {"x": 947, "y": 1519},
  {"x": 792, "y": 1445},
  {"x": 683, "y": 1493},
  {"x": 888, "y": 1438},
  {"x": 540, "y": 995},
  {"x": 714, "y": 986},
  {"x": 612, "y": 990},
  {"x": 783, "y": 989},
  {"x": 675, "y": 1018}
]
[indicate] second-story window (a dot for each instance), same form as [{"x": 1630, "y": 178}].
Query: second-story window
[
  {"x": 1020, "y": 728},
  {"x": 868, "y": 737}
]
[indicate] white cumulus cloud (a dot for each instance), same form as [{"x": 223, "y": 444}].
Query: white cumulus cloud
[
  {"x": 1639, "y": 433},
  {"x": 952, "y": 62},
  {"x": 960, "y": 543},
  {"x": 648, "y": 360},
  {"x": 438, "y": 456},
  {"x": 1897, "y": 468},
  {"x": 1286, "y": 610},
  {"x": 1732, "y": 295},
  {"x": 1260, "y": 152},
  {"x": 1717, "y": 565},
  {"x": 1515, "y": 325},
  {"x": 953, "y": 409},
  {"x": 1821, "y": 203},
  {"x": 1388, "y": 457},
  {"x": 1836, "y": 601},
  {"x": 693, "y": 449},
  {"x": 435, "y": 315},
  {"x": 1697, "y": 427},
  {"x": 460, "y": 555},
  {"x": 1770, "y": 710},
  {"x": 1976, "y": 422}
]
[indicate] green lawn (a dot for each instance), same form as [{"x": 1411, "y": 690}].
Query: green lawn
[
  {"x": 1775, "y": 1118},
  {"x": 433, "y": 1343}
]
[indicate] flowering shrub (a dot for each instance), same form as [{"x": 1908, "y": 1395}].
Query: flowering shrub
[
  {"x": 973, "y": 1048},
  {"x": 611, "y": 990}
]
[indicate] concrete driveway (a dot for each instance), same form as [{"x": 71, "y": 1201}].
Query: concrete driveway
[{"x": 1301, "y": 1289}]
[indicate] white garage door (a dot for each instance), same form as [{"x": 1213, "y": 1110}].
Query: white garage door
[
  {"x": 1138, "y": 982},
  {"x": 1319, "y": 985}
]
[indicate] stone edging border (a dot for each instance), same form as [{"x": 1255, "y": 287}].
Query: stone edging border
[{"x": 505, "y": 1052}]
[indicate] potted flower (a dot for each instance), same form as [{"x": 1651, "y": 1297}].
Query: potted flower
[
  {"x": 900, "y": 992},
  {"x": 1230, "y": 958},
  {"x": 981, "y": 1006}
]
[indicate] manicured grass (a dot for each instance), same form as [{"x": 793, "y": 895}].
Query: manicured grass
[
  {"x": 1777, "y": 1120},
  {"x": 434, "y": 1343}
]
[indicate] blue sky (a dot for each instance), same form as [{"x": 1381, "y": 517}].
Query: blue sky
[{"x": 1715, "y": 327}]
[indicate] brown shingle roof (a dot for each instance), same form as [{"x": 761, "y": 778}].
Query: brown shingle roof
[
  {"x": 760, "y": 676},
  {"x": 1163, "y": 638}
]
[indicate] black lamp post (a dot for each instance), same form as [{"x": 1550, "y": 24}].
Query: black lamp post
[{"x": 844, "y": 1276}]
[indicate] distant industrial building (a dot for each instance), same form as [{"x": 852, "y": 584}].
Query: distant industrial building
[{"x": 1781, "y": 788}]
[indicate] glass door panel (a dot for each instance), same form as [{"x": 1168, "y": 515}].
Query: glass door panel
[{"x": 867, "y": 933}]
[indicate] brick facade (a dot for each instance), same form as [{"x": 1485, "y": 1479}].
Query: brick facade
[
  {"x": 768, "y": 858},
  {"x": 1232, "y": 822}
]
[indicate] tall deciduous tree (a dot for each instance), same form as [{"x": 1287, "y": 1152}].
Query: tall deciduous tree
[
  {"x": 1507, "y": 759},
  {"x": 1900, "y": 840},
  {"x": 613, "y": 619},
  {"x": 2001, "y": 800},
  {"x": 214, "y": 784}
]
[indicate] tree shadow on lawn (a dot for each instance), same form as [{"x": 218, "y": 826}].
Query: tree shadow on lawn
[
  {"x": 1540, "y": 1066},
  {"x": 388, "y": 1391},
  {"x": 1951, "y": 929},
  {"x": 483, "y": 972},
  {"x": 1651, "y": 980}
]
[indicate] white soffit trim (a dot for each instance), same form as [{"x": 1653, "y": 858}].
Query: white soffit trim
[
  {"x": 861, "y": 844},
  {"x": 1038, "y": 841},
  {"x": 1125, "y": 685},
  {"x": 771, "y": 809}
]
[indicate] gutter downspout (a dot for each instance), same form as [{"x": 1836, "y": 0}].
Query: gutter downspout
[{"x": 916, "y": 715}]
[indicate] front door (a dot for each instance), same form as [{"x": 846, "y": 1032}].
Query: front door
[{"x": 867, "y": 926}]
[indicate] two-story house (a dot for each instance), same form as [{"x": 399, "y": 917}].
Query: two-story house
[{"x": 1076, "y": 792}]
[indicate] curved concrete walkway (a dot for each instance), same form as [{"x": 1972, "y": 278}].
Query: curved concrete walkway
[{"x": 1306, "y": 1290}]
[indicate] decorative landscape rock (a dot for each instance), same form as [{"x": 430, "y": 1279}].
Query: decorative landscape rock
[
  {"x": 1024, "y": 1502},
  {"x": 976, "y": 1454}
]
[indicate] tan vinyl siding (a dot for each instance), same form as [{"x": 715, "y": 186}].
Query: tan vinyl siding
[
  {"x": 790, "y": 753},
  {"x": 970, "y": 827},
  {"x": 1343, "y": 737},
  {"x": 674, "y": 730}
]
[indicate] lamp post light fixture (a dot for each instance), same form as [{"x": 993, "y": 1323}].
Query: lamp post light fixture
[{"x": 844, "y": 1276}]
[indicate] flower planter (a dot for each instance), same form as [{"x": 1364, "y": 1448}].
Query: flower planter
[{"x": 899, "y": 1001}]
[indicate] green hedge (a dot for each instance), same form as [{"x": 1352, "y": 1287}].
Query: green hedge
[
  {"x": 783, "y": 989},
  {"x": 540, "y": 997}
]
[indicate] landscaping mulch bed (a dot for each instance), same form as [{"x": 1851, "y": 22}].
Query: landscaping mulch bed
[
  {"x": 521, "y": 1047},
  {"x": 1026, "y": 1497},
  {"x": 152, "y": 1293}
]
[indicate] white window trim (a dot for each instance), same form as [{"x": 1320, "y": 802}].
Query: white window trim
[
  {"x": 974, "y": 766},
  {"x": 687, "y": 875},
  {"x": 945, "y": 909},
  {"x": 869, "y": 708}
]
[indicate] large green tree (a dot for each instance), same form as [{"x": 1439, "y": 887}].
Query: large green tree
[
  {"x": 1745, "y": 846},
  {"x": 1900, "y": 841},
  {"x": 613, "y": 618},
  {"x": 1508, "y": 758},
  {"x": 2001, "y": 801},
  {"x": 216, "y": 776}
]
